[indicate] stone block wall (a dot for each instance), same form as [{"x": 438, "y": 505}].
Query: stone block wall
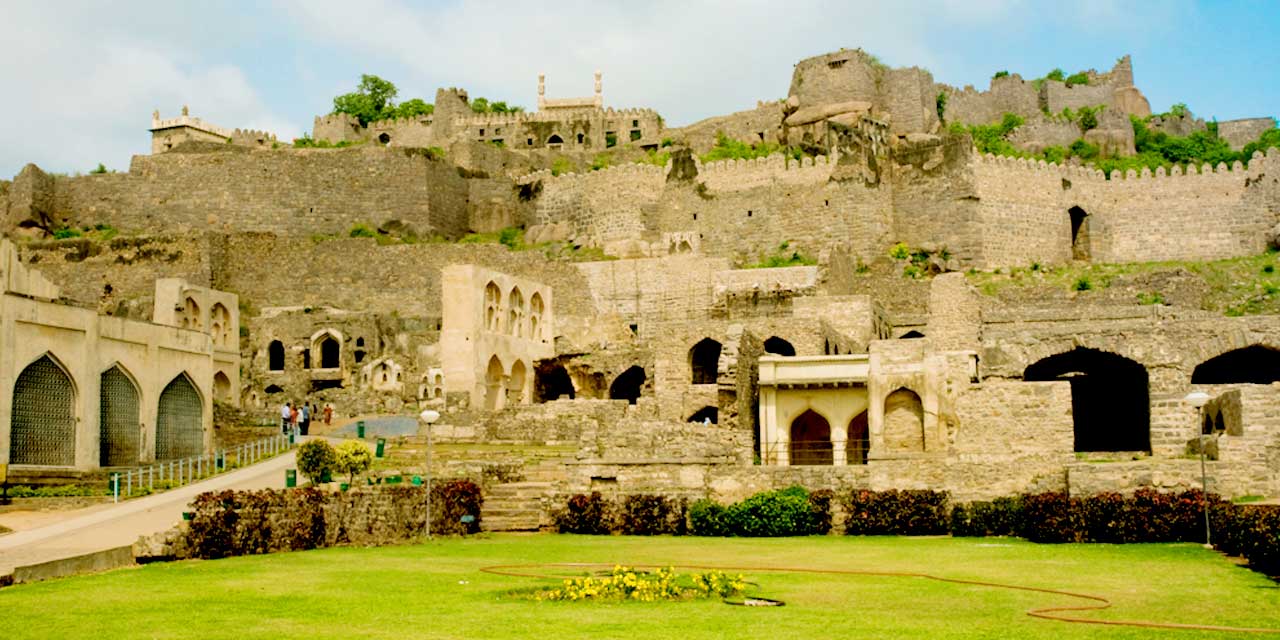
[
  {"x": 1009, "y": 94},
  {"x": 601, "y": 205},
  {"x": 1238, "y": 133}
]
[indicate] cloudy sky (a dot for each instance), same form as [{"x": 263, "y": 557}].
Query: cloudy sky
[{"x": 82, "y": 78}]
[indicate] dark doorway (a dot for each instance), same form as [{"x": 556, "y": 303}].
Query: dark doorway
[
  {"x": 1110, "y": 403},
  {"x": 627, "y": 385},
  {"x": 328, "y": 353},
  {"x": 1256, "y": 365},
  {"x": 704, "y": 360},
  {"x": 859, "y": 442},
  {"x": 275, "y": 356},
  {"x": 779, "y": 347},
  {"x": 1079, "y": 234},
  {"x": 704, "y": 414},
  {"x": 911, "y": 335},
  {"x": 553, "y": 383},
  {"x": 811, "y": 440}
]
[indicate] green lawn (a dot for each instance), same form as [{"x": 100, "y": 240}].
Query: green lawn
[{"x": 435, "y": 590}]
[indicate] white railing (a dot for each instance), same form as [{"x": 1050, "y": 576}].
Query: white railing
[{"x": 171, "y": 474}]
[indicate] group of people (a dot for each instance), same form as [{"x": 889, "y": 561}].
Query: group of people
[{"x": 297, "y": 419}]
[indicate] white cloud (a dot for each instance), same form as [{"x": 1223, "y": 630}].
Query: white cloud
[{"x": 85, "y": 89}]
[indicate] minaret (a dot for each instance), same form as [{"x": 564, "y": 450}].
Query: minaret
[
  {"x": 599, "y": 95},
  {"x": 542, "y": 91}
]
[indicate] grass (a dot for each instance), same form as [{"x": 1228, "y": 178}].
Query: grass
[
  {"x": 435, "y": 590},
  {"x": 1236, "y": 286}
]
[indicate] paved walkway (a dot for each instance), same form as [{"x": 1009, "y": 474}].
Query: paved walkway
[{"x": 96, "y": 528}]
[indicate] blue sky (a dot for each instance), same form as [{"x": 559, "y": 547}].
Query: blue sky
[{"x": 83, "y": 77}]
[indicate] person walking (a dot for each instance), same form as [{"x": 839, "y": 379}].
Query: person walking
[
  {"x": 304, "y": 419},
  {"x": 293, "y": 419},
  {"x": 328, "y": 413},
  {"x": 286, "y": 413}
]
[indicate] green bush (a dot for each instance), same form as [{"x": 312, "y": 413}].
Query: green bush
[
  {"x": 893, "y": 512},
  {"x": 1082, "y": 284},
  {"x": 1000, "y": 74},
  {"x": 589, "y": 514},
  {"x": 100, "y": 169},
  {"x": 999, "y": 517},
  {"x": 1080, "y": 78},
  {"x": 316, "y": 458},
  {"x": 783, "y": 256},
  {"x": 352, "y": 457},
  {"x": 940, "y": 104},
  {"x": 66, "y": 232},
  {"x": 361, "y": 230},
  {"x": 651, "y": 515},
  {"x": 707, "y": 518},
  {"x": 1056, "y": 74},
  {"x": 561, "y": 165}
]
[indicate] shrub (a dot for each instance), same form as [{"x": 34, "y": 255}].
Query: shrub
[
  {"x": 1047, "y": 518},
  {"x": 1000, "y": 74},
  {"x": 590, "y": 514},
  {"x": 66, "y": 232},
  {"x": 893, "y": 512},
  {"x": 707, "y": 518},
  {"x": 650, "y": 515},
  {"x": 361, "y": 230},
  {"x": 450, "y": 502},
  {"x": 100, "y": 169},
  {"x": 771, "y": 514},
  {"x": 561, "y": 165},
  {"x": 941, "y": 104},
  {"x": 352, "y": 457},
  {"x": 1082, "y": 284},
  {"x": 999, "y": 517},
  {"x": 1080, "y": 78},
  {"x": 315, "y": 459},
  {"x": 820, "y": 511}
]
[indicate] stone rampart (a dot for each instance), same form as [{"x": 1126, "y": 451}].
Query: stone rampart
[
  {"x": 602, "y": 205},
  {"x": 286, "y": 191},
  {"x": 1007, "y": 94},
  {"x": 777, "y": 169},
  {"x": 1238, "y": 133}
]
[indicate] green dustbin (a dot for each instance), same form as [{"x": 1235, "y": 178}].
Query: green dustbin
[
  {"x": 417, "y": 481},
  {"x": 360, "y": 429},
  {"x": 382, "y": 447},
  {"x": 290, "y": 478},
  {"x": 325, "y": 477}
]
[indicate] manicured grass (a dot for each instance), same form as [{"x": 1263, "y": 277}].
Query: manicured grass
[{"x": 435, "y": 590}]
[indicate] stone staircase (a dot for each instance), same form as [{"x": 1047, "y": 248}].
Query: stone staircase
[{"x": 514, "y": 506}]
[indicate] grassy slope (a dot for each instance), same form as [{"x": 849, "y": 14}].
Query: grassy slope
[
  {"x": 435, "y": 591},
  {"x": 1236, "y": 286}
]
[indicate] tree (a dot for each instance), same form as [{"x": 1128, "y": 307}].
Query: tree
[
  {"x": 315, "y": 459},
  {"x": 353, "y": 457},
  {"x": 373, "y": 100},
  {"x": 414, "y": 107}
]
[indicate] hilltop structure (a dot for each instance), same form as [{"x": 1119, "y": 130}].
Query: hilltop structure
[{"x": 698, "y": 326}]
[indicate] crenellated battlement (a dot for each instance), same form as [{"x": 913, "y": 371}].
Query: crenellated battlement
[
  {"x": 391, "y": 123},
  {"x": 186, "y": 120},
  {"x": 1258, "y": 164},
  {"x": 499, "y": 119},
  {"x": 252, "y": 135},
  {"x": 740, "y": 175}
]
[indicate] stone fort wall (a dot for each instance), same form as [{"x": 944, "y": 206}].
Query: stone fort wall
[{"x": 285, "y": 191}]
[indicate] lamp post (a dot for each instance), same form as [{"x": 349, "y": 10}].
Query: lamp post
[
  {"x": 429, "y": 417},
  {"x": 1198, "y": 399}
]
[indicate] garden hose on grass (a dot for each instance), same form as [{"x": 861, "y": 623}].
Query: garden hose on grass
[{"x": 1095, "y": 603}]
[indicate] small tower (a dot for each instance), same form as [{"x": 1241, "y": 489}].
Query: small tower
[
  {"x": 542, "y": 91},
  {"x": 599, "y": 96}
]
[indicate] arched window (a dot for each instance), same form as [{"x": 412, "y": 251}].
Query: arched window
[
  {"x": 275, "y": 356},
  {"x": 516, "y": 382},
  {"x": 811, "y": 440},
  {"x": 1254, "y": 364},
  {"x": 707, "y": 414},
  {"x": 329, "y": 352},
  {"x": 627, "y": 385},
  {"x": 493, "y": 378},
  {"x": 903, "y": 422},
  {"x": 1110, "y": 403},
  {"x": 273, "y": 389},
  {"x": 515, "y": 313},
  {"x": 118, "y": 420},
  {"x": 1080, "y": 249},
  {"x": 191, "y": 315},
  {"x": 221, "y": 387},
  {"x": 555, "y": 139},
  {"x": 911, "y": 335},
  {"x": 859, "y": 441},
  {"x": 220, "y": 329},
  {"x": 179, "y": 421},
  {"x": 43, "y": 423},
  {"x": 553, "y": 383},
  {"x": 492, "y": 307},
  {"x": 779, "y": 347},
  {"x": 704, "y": 361},
  {"x": 535, "y": 316}
]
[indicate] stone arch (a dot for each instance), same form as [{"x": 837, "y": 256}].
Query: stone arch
[
  {"x": 553, "y": 383},
  {"x": 43, "y": 420},
  {"x": 275, "y": 356},
  {"x": 903, "y": 428},
  {"x": 516, "y": 382},
  {"x": 493, "y": 378},
  {"x": 1254, "y": 364},
  {"x": 492, "y": 306},
  {"x": 220, "y": 325},
  {"x": 706, "y": 413},
  {"x": 779, "y": 347},
  {"x": 911, "y": 335},
  {"x": 179, "y": 420},
  {"x": 684, "y": 247},
  {"x": 555, "y": 139},
  {"x": 515, "y": 313},
  {"x": 119, "y": 431},
  {"x": 191, "y": 318},
  {"x": 328, "y": 344},
  {"x": 628, "y": 385},
  {"x": 1080, "y": 249},
  {"x": 858, "y": 444},
  {"x": 384, "y": 138},
  {"x": 536, "y": 308},
  {"x": 704, "y": 361},
  {"x": 221, "y": 387},
  {"x": 810, "y": 442},
  {"x": 1110, "y": 398},
  {"x": 273, "y": 389}
]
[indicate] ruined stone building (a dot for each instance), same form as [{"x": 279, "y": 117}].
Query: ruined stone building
[{"x": 640, "y": 321}]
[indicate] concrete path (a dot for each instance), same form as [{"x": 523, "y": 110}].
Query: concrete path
[{"x": 121, "y": 524}]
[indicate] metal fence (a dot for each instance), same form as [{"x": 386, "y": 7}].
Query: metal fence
[
  {"x": 170, "y": 474},
  {"x": 812, "y": 452}
]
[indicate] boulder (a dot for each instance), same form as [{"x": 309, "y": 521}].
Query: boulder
[{"x": 809, "y": 115}]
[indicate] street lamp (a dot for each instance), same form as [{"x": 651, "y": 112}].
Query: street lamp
[
  {"x": 429, "y": 417},
  {"x": 1198, "y": 399}
]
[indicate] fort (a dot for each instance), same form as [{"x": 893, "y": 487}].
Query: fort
[{"x": 684, "y": 320}]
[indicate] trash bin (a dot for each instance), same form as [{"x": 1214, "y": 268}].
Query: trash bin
[
  {"x": 417, "y": 481},
  {"x": 290, "y": 478},
  {"x": 360, "y": 429},
  {"x": 382, "y": 446}
]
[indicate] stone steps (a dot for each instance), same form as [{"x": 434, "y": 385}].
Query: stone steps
[{"x": 514, "y": 506}]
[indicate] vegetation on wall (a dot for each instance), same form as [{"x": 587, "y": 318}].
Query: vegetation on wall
[
  {"x": 483, "y": 105},
  {"x": 727, "y": 148},
  {"x": 783, "y": 256},
  {"x": 374, "y": 99}
]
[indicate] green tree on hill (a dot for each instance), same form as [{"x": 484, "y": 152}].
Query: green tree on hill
[{"x": 374, "y": 99}]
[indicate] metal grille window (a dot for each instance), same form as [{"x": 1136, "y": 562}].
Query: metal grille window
[
  {"x": 44, "y": 416},
  {"x": 118, "y": 413},
  {"x": 179, "y": 421}
]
